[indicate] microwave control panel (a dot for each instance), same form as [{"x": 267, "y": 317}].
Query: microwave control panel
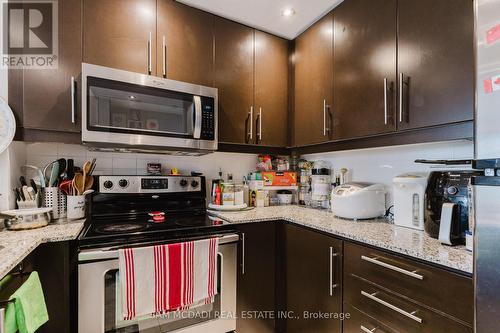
[{"x": 208, "y": 119}]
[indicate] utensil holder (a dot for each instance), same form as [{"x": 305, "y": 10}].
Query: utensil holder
[
  {"x": 76, "y": 207},
  {"x": 53, "y": 197},
  {"x": 28, "y": 204}
]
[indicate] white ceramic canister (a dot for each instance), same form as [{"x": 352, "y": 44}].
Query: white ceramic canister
[{"x": 76, "y": 207}]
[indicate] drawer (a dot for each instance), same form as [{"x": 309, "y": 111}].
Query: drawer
[
  {"x": 359, "y": 322},
  {"x": 437, "y": 288},
  {"x": 395, "y": 311}
]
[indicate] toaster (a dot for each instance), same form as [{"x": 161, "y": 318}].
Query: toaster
[{"x": 358, "y": 200}]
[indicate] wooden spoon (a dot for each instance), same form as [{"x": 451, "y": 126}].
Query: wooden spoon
[
  {"x": 87, "y": 166},
  {"x": 79, "y": 183}
]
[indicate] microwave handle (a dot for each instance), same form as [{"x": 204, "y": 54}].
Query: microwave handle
[{"x": 197, "y": 117}]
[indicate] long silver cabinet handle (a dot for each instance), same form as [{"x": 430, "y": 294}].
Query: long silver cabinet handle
[
  {"x": 392, "y": 267},
  {"x": 401, "y": 100},
  {"x": 366, "y": 330},
  {"x": 73, "y": 100},
  {"x": 324, "y": 117},
  {"x": 385, "y": 101},
  {"x": 259, "y": 134},
  {"x": 150, "y": 56},
  {"x": 332, "y": 284},
  {"x": 250, "y": 132},
  {"x": 243, "y": 253},
  {"x": 390, "y": 306},
  {"x": 164, "y": 48}
]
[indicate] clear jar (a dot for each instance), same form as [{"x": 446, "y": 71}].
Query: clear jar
[
  {"x": 239, "y": 197},
  {"x": 228, "y": 194}
]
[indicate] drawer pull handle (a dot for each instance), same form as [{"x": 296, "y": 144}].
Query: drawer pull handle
[
  {"x": 366, "y": 330},
  {"x": 392, "y": 307},
  {"x": 392, "y": 267}
]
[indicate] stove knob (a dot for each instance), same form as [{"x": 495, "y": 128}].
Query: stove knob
[
  {"x": 108, "y": 184},
  {"x": 123, "y": 183},
  {"x": 194, "y": 183},
  {"x": 183, "y": 182},
  {"x": 452, "y": 190}
]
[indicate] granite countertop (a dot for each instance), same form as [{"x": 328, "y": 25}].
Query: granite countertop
[
  {"x": 17, "y": 245},
  {"x": 379, "y": 233}
]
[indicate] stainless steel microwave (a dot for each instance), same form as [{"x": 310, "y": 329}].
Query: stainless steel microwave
[{"x": 128, "y": 111}]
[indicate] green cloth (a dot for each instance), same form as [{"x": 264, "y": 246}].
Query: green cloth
[{"x": 28, "y": 311}]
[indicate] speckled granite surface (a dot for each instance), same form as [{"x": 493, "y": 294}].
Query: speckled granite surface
[
  {"x": 17, "y": 245},
  {"x": 402, "y": 240}
]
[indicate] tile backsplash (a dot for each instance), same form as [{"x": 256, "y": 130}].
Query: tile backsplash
[
  {"x": 39, "y": 154},
  {"x": 381, "y": 165}
]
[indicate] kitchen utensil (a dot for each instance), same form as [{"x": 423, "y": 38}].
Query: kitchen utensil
[
  {"x": 33, "y": 172},
  {"x": 33, "y": 185},
  {"x": 70, "y": 168},
  {"x": 22, "y": 180},
  {"x": 21, "y": 194},
  {"x": 54, "y": 174},
  {"x": 79, "y": 183},
  {"x": 88, "y": 192},
  {"x": 66, "y": 186},
  {"x": 18, "y": 196},
  {"x": 62, "y": 168},
  {"x": 409, "y": 200},
  {"x": 358, "y": 200},
  {"x": 22, "y": 219},
  {"x": 89, "y": 181}
]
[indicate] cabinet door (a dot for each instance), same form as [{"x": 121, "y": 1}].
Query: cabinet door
[
  {"x": 120, "y": 34},
  {"x": 313, "y": 80},
  {"x": 185, "y": 42},
  {"x": 47, "y": 100},
  {"x": 271, "y": 89},
  {"x": 436, "y": 59},
  {"x": 256, "y": 277},
  {"x": 365, "y": 68},
  {"x": 234, "y": 73},
  {"x": 314, "y": 280}
]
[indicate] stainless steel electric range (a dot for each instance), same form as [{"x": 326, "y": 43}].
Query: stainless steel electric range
[{"x": 132, "y": 211}]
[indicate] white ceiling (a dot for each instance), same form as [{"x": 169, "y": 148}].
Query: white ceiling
[{"x": 266, "y": 14}]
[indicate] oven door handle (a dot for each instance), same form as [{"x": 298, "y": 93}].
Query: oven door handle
[
  {"x": 112, "y": 253},
  {"x": 197, "y": 117}
]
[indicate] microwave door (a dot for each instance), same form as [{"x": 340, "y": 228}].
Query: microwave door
[{"x": 197, "y": 117}]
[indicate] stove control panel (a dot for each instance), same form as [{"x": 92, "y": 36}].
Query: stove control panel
[{"x": 149, "y": 184}]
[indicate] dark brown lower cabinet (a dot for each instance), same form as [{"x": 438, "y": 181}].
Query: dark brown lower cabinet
[
  {"x": 256, "y": 301},
  {"x": 403, "y": 294},
  {"x": 359, "y": 322},
  {"x": 313, "y": 281}
]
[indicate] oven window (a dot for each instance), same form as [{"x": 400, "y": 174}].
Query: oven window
[
  {"x": 113, "y": 322},
  {"x": 120, "y": 107}
]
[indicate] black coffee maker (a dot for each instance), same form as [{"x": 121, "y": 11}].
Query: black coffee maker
[{"x": 447, "y": 205}]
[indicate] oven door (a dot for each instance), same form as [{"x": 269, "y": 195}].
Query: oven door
[
  {"x": 99, "y": 299},
  {"x": 122, "y": 108}
]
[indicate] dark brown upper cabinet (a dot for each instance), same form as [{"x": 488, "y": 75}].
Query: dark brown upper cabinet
[
  {"x": 251, "y": 73},
  {"x": 313, "y": 279},
  {"x": 313, "y": 80},
  {"x": 234, "y": 63},
  {"x": 436, "y": 62},
  {"x": 120, "y": 34},
  {"x": 271, "y": 90},
  {"x": 42, "y": 99},
  {"x": 365, "y": 68},
  {"x": 185, "y": 43}
]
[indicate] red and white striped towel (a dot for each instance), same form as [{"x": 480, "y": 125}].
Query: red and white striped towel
[{"x": 164, "y": 278}]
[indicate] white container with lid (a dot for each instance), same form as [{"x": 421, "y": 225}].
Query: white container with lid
[
  {"x": 409, "y": 200},
  {"x": 358, "y": 200}
]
